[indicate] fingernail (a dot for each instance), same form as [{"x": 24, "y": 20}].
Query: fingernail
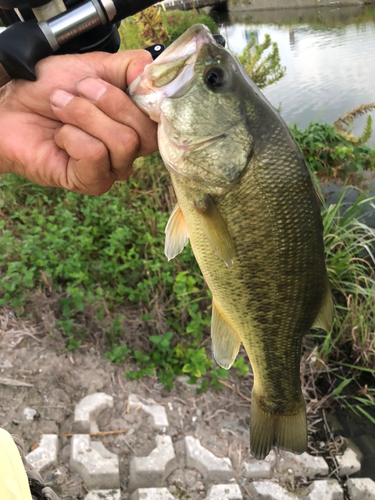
[
  {"x": 91, "y": 88},
  {"x": 60, "y": 98}
]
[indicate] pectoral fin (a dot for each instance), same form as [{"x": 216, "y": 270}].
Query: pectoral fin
[
  {"x": 176, "y": 236},
  {"x": 325, "y": 315},
  {"x": 225, "y": 341},
  {"x": 216, "y": 230}
]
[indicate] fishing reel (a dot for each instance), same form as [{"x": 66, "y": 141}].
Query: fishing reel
[{"x": 36, "y": 29}]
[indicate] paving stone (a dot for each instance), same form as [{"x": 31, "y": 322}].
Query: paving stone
[
  {"x": 96, "y": 470},
  {"x": 224, "y": 492},
  {"x": 88, "y": 409},
  {"x": 157, "y": 412},
  {"x": 349, "y": 463},
  {"x": 324, "y": 490},
  {"x": 259, "y": 469},
  {"x": 45, "y": 455},
  {"x": 104, "y": 495},
  {"x": 152, "y": 494},
  {"x": 304, "y": 465},
  {"x": 29, "y": 414},
  {"x": 212, "y": 467},
  {"x": 361, "y": 488},
  {"x": 153, "y": 470},
  {"x": 267, "y": 490}
]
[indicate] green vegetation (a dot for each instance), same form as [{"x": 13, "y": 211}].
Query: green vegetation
[
  {"x": 92, "y": 260},
  {"x": 348, "y": 351},
  {"x": 262, "y": 67},
  {"x": 329, "y": 153},
  {"x": 136, "y": 35},
  {"x": 97, "y": 264}
]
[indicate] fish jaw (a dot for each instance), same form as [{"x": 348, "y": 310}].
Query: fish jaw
[{"x": 172, "y": 74}]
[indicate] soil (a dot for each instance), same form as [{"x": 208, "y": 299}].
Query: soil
[
  {"x": 57, "y": 380},
  {"x": 37, "y": 372}
]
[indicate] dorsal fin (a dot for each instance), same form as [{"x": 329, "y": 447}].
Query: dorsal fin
[
  {"x": 176, "y": 235},
  {"x": 225, "y": 342},
  {"x": 216, "y": 230}
]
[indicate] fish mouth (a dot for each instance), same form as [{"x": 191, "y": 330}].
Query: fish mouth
[{"x": 172, "y": 74}]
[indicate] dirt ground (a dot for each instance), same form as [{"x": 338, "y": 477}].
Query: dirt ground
[{"x": 36, "y": 373}]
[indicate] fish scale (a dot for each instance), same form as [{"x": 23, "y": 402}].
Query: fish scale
[{"x": 247, "y": 203}]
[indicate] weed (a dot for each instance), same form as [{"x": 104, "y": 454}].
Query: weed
[
  {"x": 329, "y": 153},
  {"x": 264, "y": 69}
]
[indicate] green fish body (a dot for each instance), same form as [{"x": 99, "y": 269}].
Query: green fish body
[{"x": 247, "y": 203}]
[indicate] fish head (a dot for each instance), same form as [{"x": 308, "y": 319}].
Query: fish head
[{"x": 196, "y": 92}]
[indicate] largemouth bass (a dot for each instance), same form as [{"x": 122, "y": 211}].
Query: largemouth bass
[{"x": 247, "y": 203}]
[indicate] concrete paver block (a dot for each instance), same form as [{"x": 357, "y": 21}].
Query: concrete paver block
[
  {"x": 45, "y": 455},
  {"x": 348, "y": 463},
  {"x": 224, "y": 492},
  {"x": 303, "y": 465},
  {"x": 259, "y": 469},
  {"x": 267, "y": 490},
  {"x": 103, "y": 495},
  {"x": 157, "y": 412},
  {"x": 324, "y": 490},
  {"x": 361, "y": 488},
  {"x": 212, "y": 467},
  {"x": 152, "y": 494},
  {"x": 88, "y": 409},
  {"x": 154, "y": 469},
  {"x": 97, "y": 471}
]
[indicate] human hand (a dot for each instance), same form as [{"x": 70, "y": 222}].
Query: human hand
[{"x": 88, "y": 135}]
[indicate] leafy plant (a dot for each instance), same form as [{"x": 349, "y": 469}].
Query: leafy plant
[
  {"x": 343, "y": 125},
  {"x": 263, "y": 69},
  {"x": 152, "y": 29},
  {"x": 118, "y": 353},
  {"x": 176, "y": 22},
  {"x": 329, "y": 153}
]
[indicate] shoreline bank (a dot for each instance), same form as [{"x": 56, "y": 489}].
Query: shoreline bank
[{"x": 265, "y": 5}]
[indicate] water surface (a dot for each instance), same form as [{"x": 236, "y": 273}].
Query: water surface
[{"x": 329, "y": 54}]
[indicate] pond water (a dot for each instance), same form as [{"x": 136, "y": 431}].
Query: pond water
[{"x": 329, "y": 54}]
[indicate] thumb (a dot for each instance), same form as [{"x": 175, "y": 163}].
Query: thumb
[{"x": 124, "y": 67}]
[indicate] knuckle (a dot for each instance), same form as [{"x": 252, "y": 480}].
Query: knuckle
[
  {"x": 97, "y": 152},
  {"x": 129, "y": 142},
  {"x": 81, "y": 112}
]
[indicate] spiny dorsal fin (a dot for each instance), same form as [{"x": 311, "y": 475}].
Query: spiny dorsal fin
[
  {"x": 176, "y": 234},
  {"x": 225, "y": 341},
  {"x": 216, "y": 230},
  {"x": 325, "y": 315}
]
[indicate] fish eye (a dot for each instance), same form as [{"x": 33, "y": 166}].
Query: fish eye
[{"x": 215, "y": 78}]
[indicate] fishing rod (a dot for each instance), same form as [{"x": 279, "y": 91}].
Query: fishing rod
[{"x": 36, "y": 29}]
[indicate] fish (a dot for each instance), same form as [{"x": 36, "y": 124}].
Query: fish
[{"x": 247, "y": 204}]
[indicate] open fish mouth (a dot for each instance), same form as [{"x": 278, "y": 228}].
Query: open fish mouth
[{"x": 172, "y": 74}]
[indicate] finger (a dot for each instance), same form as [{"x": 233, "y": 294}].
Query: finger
[
  {"x": 118, "y": 106},
  {"x": 122, "y": 68},
  {"x": 88, "y": 167},
  {"x": 121, "y": 141}
]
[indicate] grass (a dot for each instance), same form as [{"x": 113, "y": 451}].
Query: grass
[
  {"x": 175, "y": 23},
  {"x": 95, "y": 267},
  {"x": 99, "y": 263}
]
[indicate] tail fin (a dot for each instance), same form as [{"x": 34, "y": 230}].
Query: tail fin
[{"x": 267, "y": 430}]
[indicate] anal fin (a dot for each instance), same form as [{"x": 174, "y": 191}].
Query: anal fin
[
  {"x": 225, "y": 342},
  {"x": 176, "y": 235},
  {"x": 324, "y": 319},
  {"x": 216, "y": 230}
]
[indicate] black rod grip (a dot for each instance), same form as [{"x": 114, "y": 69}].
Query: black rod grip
[{"x": 22, "y": 45}]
